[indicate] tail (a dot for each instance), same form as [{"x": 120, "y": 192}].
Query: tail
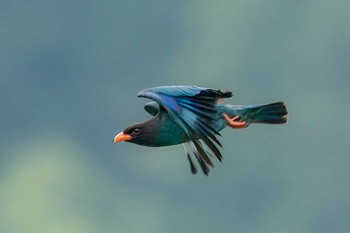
[{"x": 274, "y": 113}]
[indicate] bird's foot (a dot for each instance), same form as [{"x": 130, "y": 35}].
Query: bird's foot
[{"x": 234, "y": 122}]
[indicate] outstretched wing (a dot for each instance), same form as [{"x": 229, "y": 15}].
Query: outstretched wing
[{"x": 194, "y": 109}]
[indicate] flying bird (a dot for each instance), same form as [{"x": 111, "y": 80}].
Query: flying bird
[{"x": 194, "y": 116}]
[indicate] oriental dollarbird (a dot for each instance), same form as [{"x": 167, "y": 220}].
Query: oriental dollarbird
[{"x": 194, "y": 116}]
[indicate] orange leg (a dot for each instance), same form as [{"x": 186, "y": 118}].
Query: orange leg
[{"x": 234, "y": 122}]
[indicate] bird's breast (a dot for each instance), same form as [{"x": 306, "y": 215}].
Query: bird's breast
[
  {"x": 167, "y": 132},
  {"x": 170, "y": 133}
]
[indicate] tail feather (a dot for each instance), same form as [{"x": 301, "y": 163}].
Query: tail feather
[{"x": 274, "y": 113}]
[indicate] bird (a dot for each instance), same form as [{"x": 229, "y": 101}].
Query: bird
[{"x": 194, "y": 116}]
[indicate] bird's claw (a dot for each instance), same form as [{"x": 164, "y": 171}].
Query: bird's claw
[{"x": 235, "y": 123}]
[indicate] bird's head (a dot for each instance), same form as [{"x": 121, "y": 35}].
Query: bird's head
[{"x": 141, "y": 133}]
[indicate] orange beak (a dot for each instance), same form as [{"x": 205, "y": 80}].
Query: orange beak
[{"x": 122, "y": 137}]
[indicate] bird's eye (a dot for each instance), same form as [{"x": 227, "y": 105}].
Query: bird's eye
[{"x": 136, "y": 131}]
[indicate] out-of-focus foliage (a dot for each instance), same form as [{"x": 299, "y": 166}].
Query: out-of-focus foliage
[{"x": 69, "y": 74}]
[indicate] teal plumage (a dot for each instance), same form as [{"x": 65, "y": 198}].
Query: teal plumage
[{"x": 195, "y": 116}]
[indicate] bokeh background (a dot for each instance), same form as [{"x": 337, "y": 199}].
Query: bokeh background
[{"x": 69, "y": 75}]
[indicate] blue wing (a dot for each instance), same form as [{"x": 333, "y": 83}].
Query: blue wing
[{"x": 194, "y": 109}]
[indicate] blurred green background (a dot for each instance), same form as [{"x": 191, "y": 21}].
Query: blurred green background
[{"x": 69, "y": 74}]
